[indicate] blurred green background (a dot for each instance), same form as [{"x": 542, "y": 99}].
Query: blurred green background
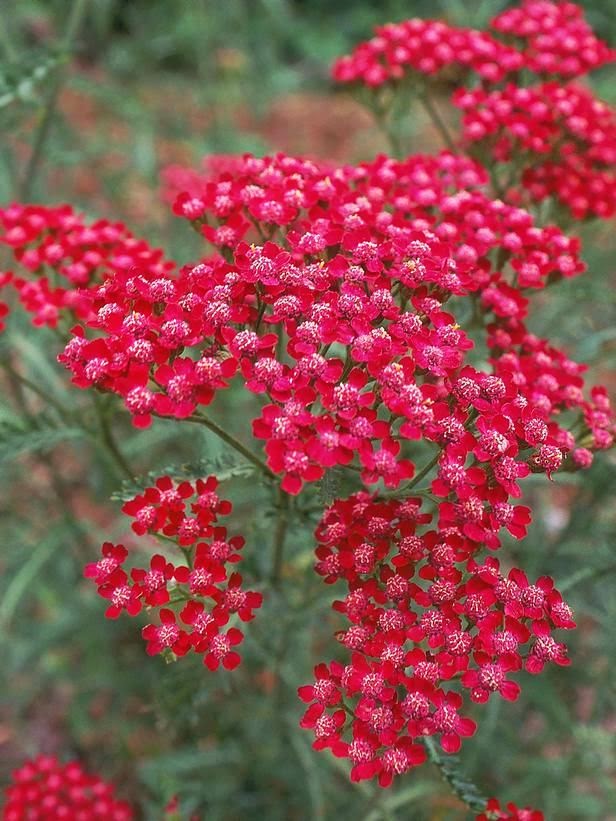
[{"x": 159, "y": 82}]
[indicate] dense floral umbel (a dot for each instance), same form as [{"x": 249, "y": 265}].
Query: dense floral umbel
[
  {"x": 62, "y": 257},
  {"x": 511, "y": 812},
  {"x": 556, "y": 140},
  {"x": 195, "y": 598},
  {"x": 554, "y": 38},
  {"x": 382, "y": 315},
  {"x": 337, "y": 317},
  {"x": 427, "y": 616},
  {"x": 43, "y": 789},
  {"x": 559, "y": 140},
  {"x": 339, "y": 310},
  {"x": 425, "y": 47},
  {"x": 338, "y": 295}
]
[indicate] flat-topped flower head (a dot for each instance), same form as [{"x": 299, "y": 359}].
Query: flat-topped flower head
[{"x": 45, "y": 788}]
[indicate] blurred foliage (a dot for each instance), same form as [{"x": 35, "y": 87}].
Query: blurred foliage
[{"x": 155, "y": 83}]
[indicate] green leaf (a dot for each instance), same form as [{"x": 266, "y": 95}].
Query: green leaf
[
  {"x": 22, "y": 581},
  {"x": 329, "y": 486},
  {"x": 223, "y": 466},
  {"x": 20, "y": 79},
  {"x": 450, "y": 768},
  {"x": 40, "y": 434}
]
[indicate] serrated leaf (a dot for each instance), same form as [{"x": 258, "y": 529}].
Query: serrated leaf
[
  {"x": 329, "y": 486},
  {"x": 39, "y": 434},
  {"x": 451, "y": 770},
  {"x": 223, "y": 466}
]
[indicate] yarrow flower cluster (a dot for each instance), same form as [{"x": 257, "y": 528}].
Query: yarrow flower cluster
[
  {"x": 344, "y": 318},
  {"x": 424, "y": 612},
  {"x": 557, "y": 140},
  {"x": 315, "y": 321},
  {"x": 62, "y": 256},
  {"x": 381, "y": 314},
  {"x": 43, "y": 789},
  {"x": 554, "y": 38},
  {"x": 426, "y": 47},
  {"x": 560, "y": 138},
  {"x": 543, "y": 37},
  {"x": 196, "y": 598}
]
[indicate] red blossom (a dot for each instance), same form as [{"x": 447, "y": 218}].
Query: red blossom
[{"x": 44, "y": 788}]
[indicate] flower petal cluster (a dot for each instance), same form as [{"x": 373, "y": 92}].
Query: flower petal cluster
[
  {"x": 342, "y": 315},
  {"x": 62, "y": 256},
  {"x": 425, "y": 47},
  {"x": 557, "y": 138},
  {"x": 554, "y": 38},
  {"x": 560, "y": 138},
  {"x": 543, "y": 37},
  {"x": 337, "y": 312},
  {"x": 429, "y": 619},
  {"x": 337, "y": 295},
  {"x": 195, "y": 599},
  {"x": 47, "y": 790},
  {"x": 381, "y": 313}
]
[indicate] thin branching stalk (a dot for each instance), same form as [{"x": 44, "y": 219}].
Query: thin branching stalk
[
  {"x": 283, "y": 510},
  {"x": 383, "y": 117},
  {"x": 206, "y": 421},
  {"x": 110, "y": 443},
  {"x": 416, "y": 479},
  {"x": 6, "y": 41},
  {"x": 72, "y": 28},
  {"x": 57, "y": 483},
  {"x": 23, "y": 381},
  {"x": 460, "y": 785},
  {"x": 438, "y": 121}
]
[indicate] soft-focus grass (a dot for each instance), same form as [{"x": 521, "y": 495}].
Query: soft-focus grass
[{"x": 156, "y": 83}]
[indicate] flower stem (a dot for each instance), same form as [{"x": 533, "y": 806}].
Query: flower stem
[
  {"x": 32, "y": 386},
  {"x": 74, "y": 21},
  {"x": 466, "y": 790},
  {"x": 383, "y": 118},
  {"x": 6, "y": 41},
  {"x": 417, "y": 478},
  {"x": 438, "y": 121},
  {"x": 283, "y": 509},
  {"x": 187, "y": 551},
  {"x": 424, "y": 471},
  {"x": 111, "y": 444},
  {"x": 202, "y": 419}
]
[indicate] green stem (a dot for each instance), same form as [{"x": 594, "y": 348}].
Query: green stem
[
  {"x": 110, "y": 442},
  {"x": 179, "y": 598},
  {"x": 60, "y": 487},
  {"x": 5, "y": 39},
  {"x": 32, "y": 386},
  {"x": 283, "y": 510},
  {"x": 383, "y": 117},
  {"x": 378, "y": 808},
  {"x": 466, "y": 791},
  {"x": 496, "y": 183},
  {"x": 187, "y": 551},
  {"x": 585, "y": 574},
  {"x": 417, "y": 478},
  {"x": 202, "y": 419},
  {"x": 424, "y": 471},
  {"x": 438, "y": 121},
  {"x": 74, "y": 21}
]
